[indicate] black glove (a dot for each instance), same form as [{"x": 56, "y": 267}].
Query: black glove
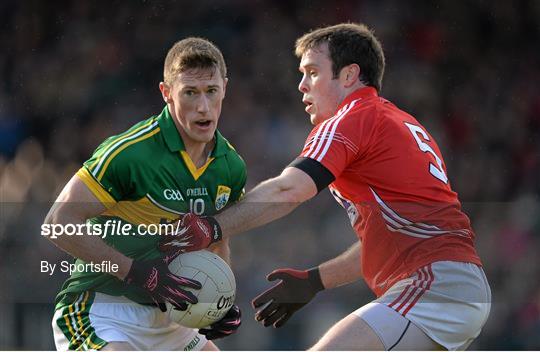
[
  {"x": 162, "y": 285},
  {"x": 224, "y": 327},
  {"x": 296, "y": 289}
]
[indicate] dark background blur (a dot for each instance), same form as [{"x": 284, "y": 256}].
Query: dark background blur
[{"x": 73, "y": 73}]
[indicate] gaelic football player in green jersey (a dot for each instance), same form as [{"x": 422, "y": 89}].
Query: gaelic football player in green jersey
[{"x": 170, "y": 164}]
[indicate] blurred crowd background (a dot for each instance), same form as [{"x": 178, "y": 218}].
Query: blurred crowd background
[{"x": 75, "y": 72}]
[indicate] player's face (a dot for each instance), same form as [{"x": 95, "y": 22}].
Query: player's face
[
  {"x": 321, "y": 91},
  {"x": 195, "y": 99}
]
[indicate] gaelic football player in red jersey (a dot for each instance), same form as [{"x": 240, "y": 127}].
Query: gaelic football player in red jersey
[{"x": 416, "y": 246}]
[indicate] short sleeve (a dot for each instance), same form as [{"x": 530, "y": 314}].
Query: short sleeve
[
  {"x": 335, "y": 143},
  {"x": 107, "y": 174}
]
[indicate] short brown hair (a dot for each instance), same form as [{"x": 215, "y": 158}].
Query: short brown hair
[
  {"x": 192, "y": 53},
  {"x": 348, "y": 43}
]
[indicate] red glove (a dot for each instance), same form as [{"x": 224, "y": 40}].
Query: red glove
[
  {"x": 162, "y": 285},
  {"x": 192, "y": 233},
  {"x": 228, "y": 325},
  {"x": 296, "y": 289}
]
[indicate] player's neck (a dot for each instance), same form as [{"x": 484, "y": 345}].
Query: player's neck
[
  {"x": 353, "y": 88},
  {"x": 199, "y": 152}
]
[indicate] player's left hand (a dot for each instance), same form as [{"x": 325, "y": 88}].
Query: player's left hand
[
  {"x": 161, "y": 285},
  {"x": 192, "y": 233},
  {"x": 228, "y": 325},
  {"x": 295, "y": 290}
]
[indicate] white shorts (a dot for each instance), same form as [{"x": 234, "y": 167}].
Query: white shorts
[
  {"x": 94, "y": 319},
  {"x": 448, "y": 301}
]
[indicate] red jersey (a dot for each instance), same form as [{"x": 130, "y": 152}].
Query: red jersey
[{"x": 391, "y": 179}]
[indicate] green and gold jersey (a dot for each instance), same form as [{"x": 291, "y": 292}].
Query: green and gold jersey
[{"x": 145, "y": 177}]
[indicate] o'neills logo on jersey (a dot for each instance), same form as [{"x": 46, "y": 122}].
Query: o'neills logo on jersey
[
  {"x": 172, "y": 194},
  {"x": 196, "y": 192},
  {"x": 222, "y": 196}
]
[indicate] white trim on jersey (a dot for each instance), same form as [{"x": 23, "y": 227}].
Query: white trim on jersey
[
  {"x": 395, "y": 227},
  {"x": 121, "y": 141},
  {"x": 338, "y": 137},
  {"x": 397, "y": 223},
  {"x": 316, "y": 142},
  {"x": 326, "y": 138},
  {"x": 156, "y": 203},
  {"x": 334, "y": 127}
]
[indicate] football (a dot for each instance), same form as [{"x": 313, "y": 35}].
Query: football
[{"x": 218, "y": 290}]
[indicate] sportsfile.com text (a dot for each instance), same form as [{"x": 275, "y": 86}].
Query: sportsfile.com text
[{"x": 109, "y": 228}]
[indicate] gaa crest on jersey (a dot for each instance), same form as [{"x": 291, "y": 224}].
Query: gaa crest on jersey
[{"x": 222, "y": 196}]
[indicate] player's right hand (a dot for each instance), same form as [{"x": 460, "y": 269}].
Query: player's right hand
[
  {"x": 296, "y": 289},
  {"x": 162, "y": 285},
  {"x": 192, "y": 233}
]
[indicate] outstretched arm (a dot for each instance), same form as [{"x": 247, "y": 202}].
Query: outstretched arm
[
  {"x": 269, "y": 201},
  {"x": 298, "y": 287}
]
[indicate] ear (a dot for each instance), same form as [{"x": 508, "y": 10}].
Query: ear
[
  {"x": 165, "y": 92},
  {"x": 349, "y": 75}
]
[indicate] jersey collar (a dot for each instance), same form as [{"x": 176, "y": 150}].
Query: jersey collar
[
  {"x": 174, "y": 140},
  {"x": 361, "y": 93}
]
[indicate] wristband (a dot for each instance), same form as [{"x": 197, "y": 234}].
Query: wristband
[
  {"x": 314, "y": 277},
  {"x": 216, "y": 229}
]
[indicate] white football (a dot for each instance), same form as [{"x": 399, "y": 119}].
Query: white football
[{"x": 215, "y": 297}]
